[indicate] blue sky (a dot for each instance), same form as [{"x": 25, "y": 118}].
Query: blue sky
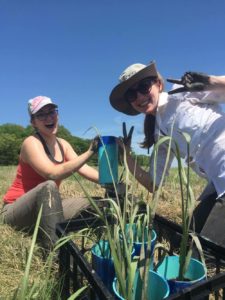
[{"x": 74, "y": 51}]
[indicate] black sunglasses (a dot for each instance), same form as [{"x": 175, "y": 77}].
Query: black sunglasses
[{"x": 144, "y": 87}]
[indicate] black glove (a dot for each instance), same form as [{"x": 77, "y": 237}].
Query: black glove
[
  {"x": 191, "y": 81},
  {"x": 195, "y": 81},
  {"x": 94, "y": 144},
  {"x": 127, "y": 137}
]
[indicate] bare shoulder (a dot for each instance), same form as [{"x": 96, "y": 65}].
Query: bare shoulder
[
  {"x": 30, "y": 140},
  {"x": 64, "y": 143},
  {"x": 30, "y": 145}
]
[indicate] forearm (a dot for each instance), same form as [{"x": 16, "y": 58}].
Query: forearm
[
  {"x": 64, "y": 170},
  {"x": 141, "y": 175},
  {"x": 217, "y": 81},
  {"x": 89, "y": 173}
]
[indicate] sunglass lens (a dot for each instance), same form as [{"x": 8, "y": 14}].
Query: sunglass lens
[
  {"x": 143, "y": 88},
  {"x": 131, "y": 95}
]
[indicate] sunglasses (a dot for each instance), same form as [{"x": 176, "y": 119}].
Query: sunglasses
[
  {"x": 43, "y": 116},
  {"x": 144, "y": 87}
]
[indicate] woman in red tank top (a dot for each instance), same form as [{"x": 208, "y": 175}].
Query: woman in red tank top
[{"x": 44, "y": 162}]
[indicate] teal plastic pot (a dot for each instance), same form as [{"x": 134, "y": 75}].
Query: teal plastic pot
[
  {"x": 137, "y": 245},
  {"x": 158, "y": 287},
  {"x": 169, "y": 269},
  {"x": 102, "y": 263},
  {"x": 108, "y": 160}
]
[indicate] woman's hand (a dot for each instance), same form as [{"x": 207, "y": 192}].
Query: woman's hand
[
  {"x": 127, "y": 137},
  {"x": 94, "y": 144},
  {"x": 195, "y": 81},
  {"x": 123, "y": 146},
  {"x": 192, "y": 82}
]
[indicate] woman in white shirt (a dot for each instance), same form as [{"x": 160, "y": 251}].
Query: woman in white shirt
[{"x": 195, "y": 110}]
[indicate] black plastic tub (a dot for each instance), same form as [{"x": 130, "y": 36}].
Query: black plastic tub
[{"x": 77, "y": 272}]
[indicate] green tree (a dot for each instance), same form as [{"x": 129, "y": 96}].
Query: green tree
[
  {"x": 143, "y": 160},
  {"x": 9, "y": 148},
  {"x": 12, "y": 136},
  {"x": 79, "y": 145},
  {"x": 17, "y": 130}
]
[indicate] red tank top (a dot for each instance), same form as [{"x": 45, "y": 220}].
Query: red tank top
[{"x": 26, "y": 179}]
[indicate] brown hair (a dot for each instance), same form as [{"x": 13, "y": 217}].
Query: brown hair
[
  {"x": 149, "y": 129},
  {"x": 149, "y": 124}
]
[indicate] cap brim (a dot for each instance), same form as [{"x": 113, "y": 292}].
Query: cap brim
[
  {"x": 117, "y": 99},
  {"x": 52, "y": 104}
]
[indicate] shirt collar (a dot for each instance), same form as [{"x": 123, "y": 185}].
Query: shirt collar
[{"x": 163, "y": 100}]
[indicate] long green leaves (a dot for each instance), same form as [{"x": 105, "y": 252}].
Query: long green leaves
[
  {"x": 78, "y": 293},
  {"x": 151, "y": 210},
  {"x": 187, "y": 205},
  {"x": 121, "y": 237},
  {"x": 36, "y": 290},
  {"x": 116, "y": 217},
  {"x": 23, "y": 291}
]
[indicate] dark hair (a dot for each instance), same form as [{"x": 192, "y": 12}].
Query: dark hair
[
  {"x": 149, "y": 130},
  {"x": 149, "y": 124}
]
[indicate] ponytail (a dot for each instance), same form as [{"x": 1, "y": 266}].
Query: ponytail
[
  {"x": 149, "y": 123},
  {"x": 149, "y": 130}
]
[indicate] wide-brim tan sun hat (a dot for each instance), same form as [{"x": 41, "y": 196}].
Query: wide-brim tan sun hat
[{"x": 130, "y": 76}]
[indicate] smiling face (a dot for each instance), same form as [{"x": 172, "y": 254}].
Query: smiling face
[
  {"x": 144, "y": 95},
  {"x": 46, "y": 120}
]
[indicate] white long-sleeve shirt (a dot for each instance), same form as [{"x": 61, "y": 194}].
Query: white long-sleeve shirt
[{"x": 200, "y": 115}]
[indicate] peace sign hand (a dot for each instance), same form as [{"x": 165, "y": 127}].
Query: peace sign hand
[
  {"x": 127, "y": 137},
  {"x": 192, "y": 82}
]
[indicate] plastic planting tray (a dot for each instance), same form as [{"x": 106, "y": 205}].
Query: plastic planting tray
[{"x": 77, "y": 272}]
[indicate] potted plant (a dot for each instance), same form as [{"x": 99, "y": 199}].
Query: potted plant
[
  {"x": 120, "y": 239},
  {"x": 134, "y": 273},
  {"x": 183, "y": 270},
  {"x": 135, "y": 231},
  {"x": 102, "y": 262}
]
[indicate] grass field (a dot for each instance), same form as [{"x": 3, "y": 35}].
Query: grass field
[{"x": 15, "y": 245}]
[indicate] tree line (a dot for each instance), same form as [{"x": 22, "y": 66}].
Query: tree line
[{"x": 12, "y": 136}]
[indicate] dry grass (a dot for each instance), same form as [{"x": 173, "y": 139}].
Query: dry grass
[
  {"x": 15, "y": 245},
  {"x": 14, "y": 253},
  {"x": 170, "y": 202}
]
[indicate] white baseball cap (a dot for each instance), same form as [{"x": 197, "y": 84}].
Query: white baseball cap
[{"x": 35, "y": 104}]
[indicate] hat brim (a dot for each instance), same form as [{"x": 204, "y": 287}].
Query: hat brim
[
  {"x": 117, "y": 98},
  {"x": 52, "y": 104}
]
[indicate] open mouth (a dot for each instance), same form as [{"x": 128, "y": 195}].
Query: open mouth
[
  {"x": 50, "y": 126},
  {"x": 146, "y": 102}
]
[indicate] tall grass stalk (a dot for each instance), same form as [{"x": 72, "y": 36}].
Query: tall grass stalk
[
  {"x": 187, "y": 205},
  {"x": 25, "y": 280},
  {"x": 35, "y": 290},
  {"x": 78, "y": 293},
  {"x": 151, "y": 210}
]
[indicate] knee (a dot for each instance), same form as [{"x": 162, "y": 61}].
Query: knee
[
  {"x": 48, "y": 191},
  {"x": 51, "y": 185},
  {"x": 48, "y": 185}
]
